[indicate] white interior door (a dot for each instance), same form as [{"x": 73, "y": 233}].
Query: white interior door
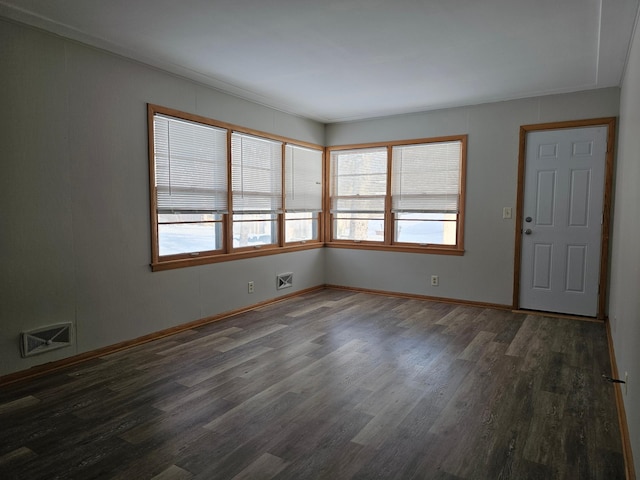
[{"x": 562, "y": 220}]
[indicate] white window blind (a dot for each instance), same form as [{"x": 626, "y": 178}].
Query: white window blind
[
  {"x": 358, "y": 180},
  {"x": 426, "y": 177},
  {"x": 303, "y": 179},
  {"x": 256, "y": 174},
  {"x": 190, "y": 166}
]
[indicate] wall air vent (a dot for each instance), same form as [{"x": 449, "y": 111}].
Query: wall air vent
[
  {"x": 45, "y": 339},
  {"x": 284, "y": 280}
]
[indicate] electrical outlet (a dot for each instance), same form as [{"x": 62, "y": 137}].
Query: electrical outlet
[
  {"x": 250, "y": 287},
  {"x": 435, "y": 281}
]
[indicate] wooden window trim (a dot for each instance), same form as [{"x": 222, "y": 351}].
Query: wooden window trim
[
  {"x": 228, "y": 252},
  {"x": 388, "y": 244}
]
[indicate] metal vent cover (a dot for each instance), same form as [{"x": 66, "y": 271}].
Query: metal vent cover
[
  {"x": 45, "y": 339},
  {"x": 284, "y": 280}
]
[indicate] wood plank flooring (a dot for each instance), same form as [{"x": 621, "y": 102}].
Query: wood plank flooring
[{"x": 329, "y": 385}]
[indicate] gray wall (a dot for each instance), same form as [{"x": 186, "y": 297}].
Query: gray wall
[
  {"x": 485, "y": 272},
  {"x": 74, "y": 225},
  {"x": 624, "y": 305}
]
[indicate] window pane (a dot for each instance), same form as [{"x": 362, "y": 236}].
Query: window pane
[
  {"x": 254, "y": 229},
  {"x": 426, "y": 228},
  {"x": 179, "y": 238},
  {"x": 301, "y": 226},
  {"x": 359, "y": 226}
]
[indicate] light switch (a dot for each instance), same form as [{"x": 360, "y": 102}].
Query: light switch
[{"x": 506, "y": 212}]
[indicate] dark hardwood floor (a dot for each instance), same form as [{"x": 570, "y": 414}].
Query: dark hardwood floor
[{"x": 329, "y": 385}]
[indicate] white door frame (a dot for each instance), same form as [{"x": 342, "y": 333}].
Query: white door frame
[{"x": 610, "y": 123}]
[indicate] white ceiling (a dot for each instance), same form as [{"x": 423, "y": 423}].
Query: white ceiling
[{"x": 337, "y": 60}]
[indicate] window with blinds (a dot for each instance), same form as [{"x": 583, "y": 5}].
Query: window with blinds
[
  {"x": 426, "y": 178},
  {"x": 303, "y": 193},
  {"x": 256, "y": 179},
  {"x": 425, "y": 192},
  {"x": 358, "y": 193},
  {"x": 256, "y": 174},
  {"x": 407, "y": 194},
  {"x": 220, "y": 191},
  {"x": 190, "y": 164}
]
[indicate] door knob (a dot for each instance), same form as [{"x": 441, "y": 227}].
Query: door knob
[{"x": 527, "y": 231}]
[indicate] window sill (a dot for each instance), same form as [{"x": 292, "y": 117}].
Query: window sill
[
  {"x": 260, "y": 252},
  {"x": 227, "y": 257},
  {"x": 433, "y": 250}
]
